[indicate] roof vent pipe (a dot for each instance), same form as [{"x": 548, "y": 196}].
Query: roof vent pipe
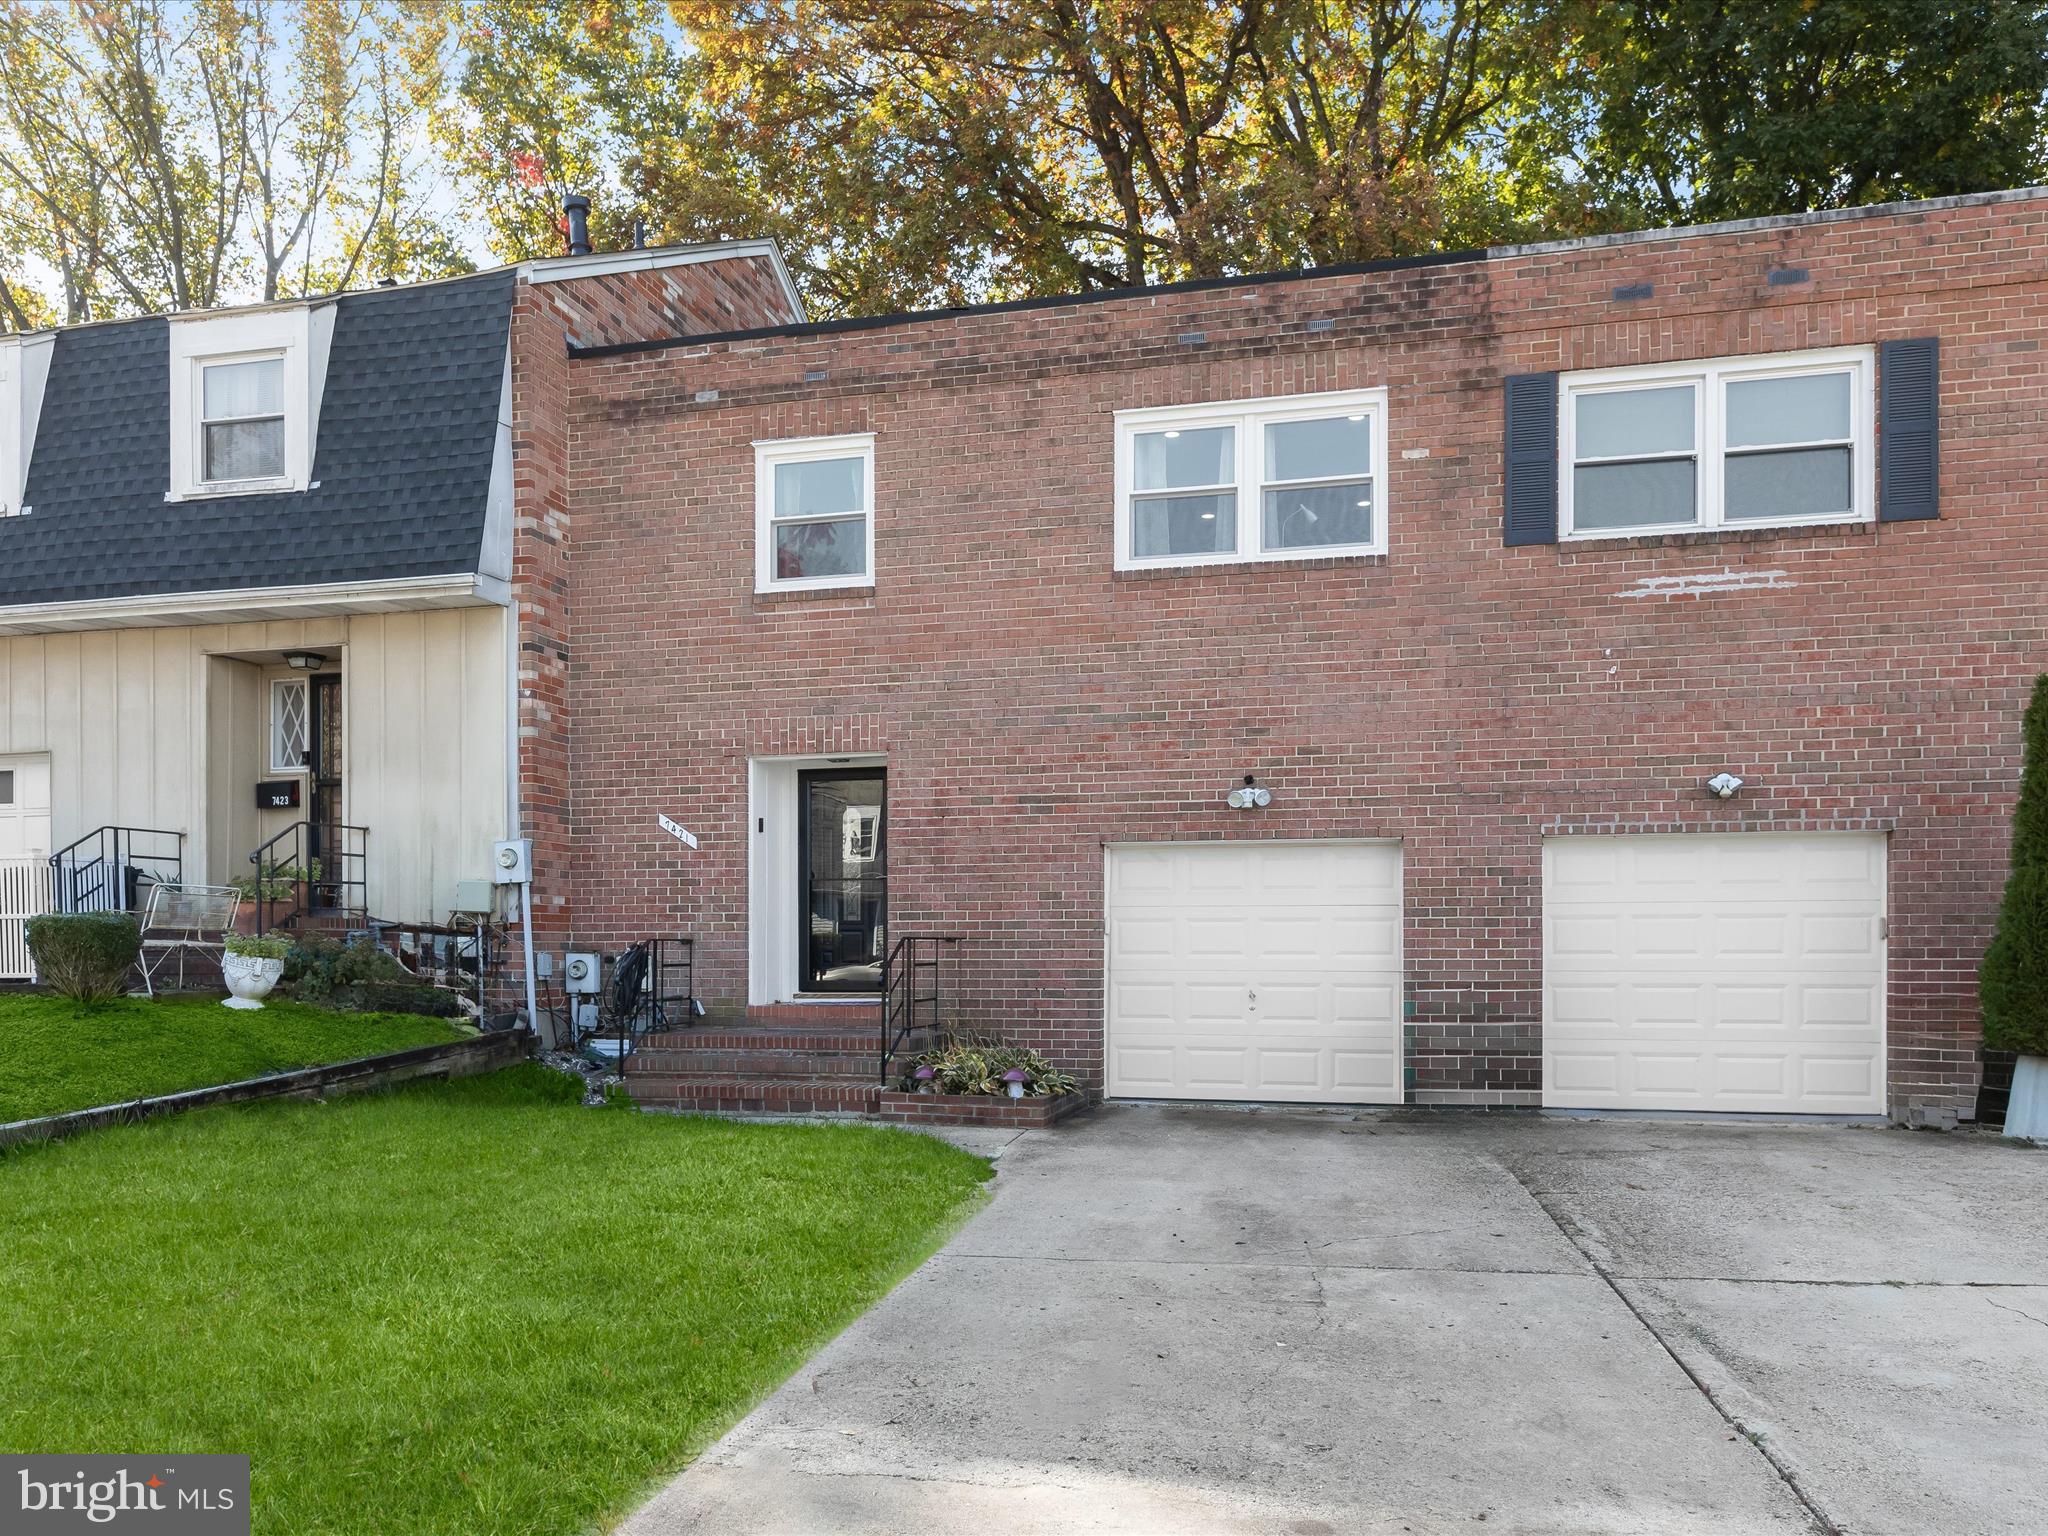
[{"x": 577, "y": 207}]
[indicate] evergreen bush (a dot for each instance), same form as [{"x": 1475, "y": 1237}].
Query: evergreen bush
[{"x": 2012, "y": 983}]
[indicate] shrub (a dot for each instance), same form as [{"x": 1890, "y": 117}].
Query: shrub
[
  {"x": 85, "y": 956},
  {"x": 2012, "y": 983},
  {"x": 316, "y": 969},
  {"x": 975, "y": 1064},
  {"x": 396, "y": 997},
  {"x": 272, "y": 948}
]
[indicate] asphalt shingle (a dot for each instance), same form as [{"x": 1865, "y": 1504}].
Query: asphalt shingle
[{"x": 401, "y": 469}]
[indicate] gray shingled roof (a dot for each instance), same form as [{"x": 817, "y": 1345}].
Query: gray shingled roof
[{"x": 401, "y": 468}]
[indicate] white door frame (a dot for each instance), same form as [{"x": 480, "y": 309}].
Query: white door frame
[{"x": 772, "y": 868}]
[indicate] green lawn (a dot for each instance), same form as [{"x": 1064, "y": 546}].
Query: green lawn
[
  {"x": 468, "y": 1308},
  {"x": 56, "y": 1056}
]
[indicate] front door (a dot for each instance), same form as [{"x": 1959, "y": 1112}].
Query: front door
[
  {"x": 843, "y": 853},
  {"x": 324, "y": 759}
]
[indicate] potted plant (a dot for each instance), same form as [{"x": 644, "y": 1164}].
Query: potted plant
[
  {"x": 251, "y": 967},
  {"x": 2012, "y": 984}
]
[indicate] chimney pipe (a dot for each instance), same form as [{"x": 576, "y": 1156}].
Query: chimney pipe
[
  {"x": 639, "y": 234},
  {"x": 577, "y": 207}
]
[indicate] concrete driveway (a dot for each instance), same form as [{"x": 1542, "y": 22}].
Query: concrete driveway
[{"x": 1183, "y": 1320}]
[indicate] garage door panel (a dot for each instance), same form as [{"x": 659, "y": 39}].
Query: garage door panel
[
  {"x": 1851, "y": 1010},
  {"x": 1255, "y": 971},
  {"x": 1665, "y": 1072},
  {"x": 1738, "y": 971},
  {"x": 1847, "y": 1078}
]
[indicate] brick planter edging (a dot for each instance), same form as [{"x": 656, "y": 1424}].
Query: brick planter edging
[
  {"x": 975, "y": 1109},
  {"x": 451, "y": 1058}
]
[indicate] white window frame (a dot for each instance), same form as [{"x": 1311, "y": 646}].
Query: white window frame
[
  {"x": 278, "y": 685},
  {"x": 200, "y": 341},
  {"x": 1710, "y": 379},
  {"x": 1248, "y": 419},
  {"x": 769, "y": 453},
  {"x": 201, "y": 421}
]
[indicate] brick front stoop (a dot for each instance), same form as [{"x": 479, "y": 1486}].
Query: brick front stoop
[{"x": 803, "y": 1059}]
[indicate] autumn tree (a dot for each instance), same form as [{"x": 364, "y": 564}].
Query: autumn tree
[{"x": 173, "y": 154}]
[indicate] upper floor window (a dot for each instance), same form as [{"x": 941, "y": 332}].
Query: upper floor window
[
  {"x": 245, "y": 399},
  {"x": 1280, "y": 479},
  {"x": 814, "y": 523},
  {"x": 1753, "y": 442},
  {"x": 241, "y": 420}
]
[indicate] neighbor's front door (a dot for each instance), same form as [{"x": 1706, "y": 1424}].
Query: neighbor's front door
[
  {"x": 843, "y": 853},
  {"x": 324, "y": 759}
]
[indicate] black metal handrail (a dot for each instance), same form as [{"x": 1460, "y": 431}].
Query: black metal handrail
[
  {"x": 103, "y": 871},
  {"x": 914, "y": 955},
  {"x": 309, "y": 867}
]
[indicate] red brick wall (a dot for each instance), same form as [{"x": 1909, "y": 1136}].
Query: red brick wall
[
  {"x": 547, "y": 319},
  {"x": 1464, "y": 697}
]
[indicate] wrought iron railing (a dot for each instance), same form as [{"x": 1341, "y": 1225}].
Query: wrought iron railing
[
  {"x": 913, "y": 991},
  {"x": 311, "y": 868},
  {"x": 107, "y": 869}
]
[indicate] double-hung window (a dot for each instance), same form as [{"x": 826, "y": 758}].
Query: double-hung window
[
  {"x": 245, "y": 392},
  {"x": 241, "y": 420},
  {"x": 814, "y": 524},
  {"x": 1281, "y": 479},
  {"x": 1755, "y": 442}
]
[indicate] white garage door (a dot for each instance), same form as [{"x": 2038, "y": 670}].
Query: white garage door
[
  {"x": 1255, "y": 971},
  {"x": 1738, "y": 972}
]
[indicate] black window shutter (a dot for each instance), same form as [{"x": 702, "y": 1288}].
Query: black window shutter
[
  {"x": 1908, "y": 430},
  {"x": 1530, "y": 514}
]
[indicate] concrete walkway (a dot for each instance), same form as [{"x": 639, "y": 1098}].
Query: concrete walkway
[{"x": 1204, "y": 1321}]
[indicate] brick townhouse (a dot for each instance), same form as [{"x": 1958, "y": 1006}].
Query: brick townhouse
[{"x": 1584, "y": 675}]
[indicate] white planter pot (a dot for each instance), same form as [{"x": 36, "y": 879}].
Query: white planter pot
[
  {"x": 2026, "y": 1112},
  {"x": 250, "y": 978}
]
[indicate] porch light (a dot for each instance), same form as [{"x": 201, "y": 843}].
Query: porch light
[{"x": 304, "y": 661}]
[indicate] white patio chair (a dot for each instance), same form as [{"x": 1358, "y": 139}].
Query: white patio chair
[{"x": 186, "y": 920}]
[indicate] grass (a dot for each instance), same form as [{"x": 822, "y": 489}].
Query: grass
[
  {"x": 472, "y": 1307},
  {"x": 56, "y": 1056}
]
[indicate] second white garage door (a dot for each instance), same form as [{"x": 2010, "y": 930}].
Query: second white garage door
[
  {"x": 1736, "y": 972},
  {"x": 1255, "y": 971}
]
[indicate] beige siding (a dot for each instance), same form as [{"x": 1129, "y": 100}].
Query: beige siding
[{"x": 170, "y": 728}]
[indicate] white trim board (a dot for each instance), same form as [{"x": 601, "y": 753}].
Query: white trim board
[{"x": 256, "y": 604}]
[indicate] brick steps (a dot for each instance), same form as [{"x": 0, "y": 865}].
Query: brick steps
[
  {"x": 754, "y": 1062},
  {"x": 712, "y": 1095}
]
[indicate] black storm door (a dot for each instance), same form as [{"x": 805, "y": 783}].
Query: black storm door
[
  {"x": 325, "y": 811},
  {"x": 843, "y": 853}
]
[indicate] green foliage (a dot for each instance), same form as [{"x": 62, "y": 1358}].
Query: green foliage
[
  {"x": 1685, "y": 111},
  {"x": 2012, "y": 983},
  {"x": 85, "y": 956},
  {"x": 55, "y": 1058},
  {"x": 277, "y": 882},
  {"x": 360, "y": 978},
  {"x": 975, "y": 1064},
  {"x": 254, "y": 948},
  {"x": 467, "y": 1307},
  {"x": 317, "y": 967}
]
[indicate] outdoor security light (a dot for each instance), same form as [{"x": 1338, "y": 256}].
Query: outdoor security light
[
  {"x": 1249, "y": 797},
  {"x": 1724, "y": 785},
  {"x": 304, "y": 661}
]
